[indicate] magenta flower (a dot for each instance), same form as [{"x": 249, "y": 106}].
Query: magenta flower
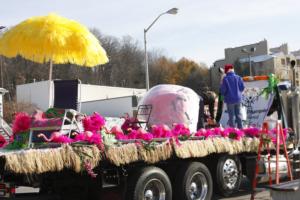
[
  {"x": 218, "y": 131},
  {"x": 116, "y": 130},
  {"x": 56, "y": 137},
  {"x": 121, "y": 136},
  {"x": 88, "y": 168},
  {"x": 272, "y": 134},
  {"x": 161, "y": 131},
  {"x": 252, "y": 132},
  {"x": 201, "y": 132},
  {"x": 233, "y": 133},
  {"x": 130, "y": 123},
  {"x": 133, "y": 134},
  {"x": 95, "y": 139},
  {"x": 21, "y": 123},
  {"x": 146, "y": 137},
  {"x": 180, "y": 130},
  {"x": 80, "y": 137},
  {"x": 93, "y": 123},
  {"x": 3, "y": 142}
]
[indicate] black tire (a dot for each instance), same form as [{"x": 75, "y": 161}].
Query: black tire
[
  {"x": 149, "y": 181},
  {"x": 228, "y": 175},
  {"x": 193, "y": 181}
]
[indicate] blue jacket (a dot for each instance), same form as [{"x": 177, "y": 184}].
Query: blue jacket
[{"x": 232, "y": 87}]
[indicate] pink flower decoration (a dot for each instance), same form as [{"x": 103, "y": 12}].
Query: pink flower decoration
[
  {"x": 63, "y": 139},
  {"x": 201, "y": 132},
  {"x": 21, "y": 123},
  {"x": 93, "y": 123},
  {"x": 272, "y": 135},
  {"x": 180, "y": 130},
  {"x": 121, "y": 136},
  {"x": 233, "y": 133},
  {"x": 89, "y": 169},
  {"x": 3, "y": 142},
  {"x": 146, "y": 137},
  {"x": 252, "y": 132},
  {"x": 116, "y": 130},
  {"x": 161, "y": 131},
  {"x": 85, "y": 136},
  {"x": 130, "y": 123},
  {"x": 56, "y": 137},
  {"x": 133, "y": 134},
  {"x": 218, "y": 131},
  {"x": 95, "y": 139},
  {"x": 80, "y": 137}
]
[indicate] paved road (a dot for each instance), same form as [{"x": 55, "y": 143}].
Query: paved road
[{"x": 243, "y": 194}]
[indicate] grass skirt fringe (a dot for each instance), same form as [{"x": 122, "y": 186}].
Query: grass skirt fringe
[
  {"x": 201, "y": 148},
  {"x": 124, "y": 154},
  {"x": 74, "y": 156},
  {"x": 158, "y": 153},
  {"x": 51, "y": 159}
]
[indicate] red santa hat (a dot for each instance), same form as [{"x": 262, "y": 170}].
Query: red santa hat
[{"x": 227, "y": 67}]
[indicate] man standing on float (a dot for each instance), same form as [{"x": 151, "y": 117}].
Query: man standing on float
[{"x": 232, "y": 87}]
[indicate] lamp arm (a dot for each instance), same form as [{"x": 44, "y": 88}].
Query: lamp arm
[{"x": 146, "y": 29}]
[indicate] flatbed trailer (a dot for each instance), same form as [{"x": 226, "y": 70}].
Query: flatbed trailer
[{"x": 173, "y": 169}]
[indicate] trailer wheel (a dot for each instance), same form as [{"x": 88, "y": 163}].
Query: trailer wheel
[
  {"x": 149, "y": 183},
  {"x": 193, "y": 181},
  {"x": 228, "y": 175}
]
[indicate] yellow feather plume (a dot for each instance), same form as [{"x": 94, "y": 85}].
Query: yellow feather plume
[{"x": 55, "y": 38}]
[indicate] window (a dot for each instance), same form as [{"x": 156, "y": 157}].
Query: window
[
  {"x": 283, "y": 61},
  {"x": 288, "y": 60}
]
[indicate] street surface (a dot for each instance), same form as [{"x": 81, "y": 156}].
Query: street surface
[{"x": 243, "y": 194}]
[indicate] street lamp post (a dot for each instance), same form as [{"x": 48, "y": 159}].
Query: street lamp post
[
  {"x": 172, "y": 11},
  {"x": 252, "y": 50},
  {"x": 1, "y": 63}
]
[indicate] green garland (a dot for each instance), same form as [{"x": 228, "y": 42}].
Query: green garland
[
  {"x": 55, "y": 113},
  {"x": 270, "y": 89},
  {"x": 20, "y": 141}
]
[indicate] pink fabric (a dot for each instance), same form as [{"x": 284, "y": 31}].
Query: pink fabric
[
  {"x": 39, "y": 120},
  {"x": 47, "y": 122}
]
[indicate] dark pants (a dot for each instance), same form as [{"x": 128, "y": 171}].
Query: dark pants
[{"x": 200, "y": 123}]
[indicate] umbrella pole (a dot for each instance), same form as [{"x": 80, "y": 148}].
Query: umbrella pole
[{"x": 50, "y": 85}]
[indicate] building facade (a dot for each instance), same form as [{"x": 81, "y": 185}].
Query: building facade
[{"x": 263, "y": 62}]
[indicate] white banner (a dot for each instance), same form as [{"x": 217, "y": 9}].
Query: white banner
[{"x": 257, "y": 106}]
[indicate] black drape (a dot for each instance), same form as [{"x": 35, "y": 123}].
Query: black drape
[{"x": 66, "y": 94}]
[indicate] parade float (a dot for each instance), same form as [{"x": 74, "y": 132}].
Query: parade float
[
  {"x": 161, "y": 139},
  {"x": 158, "y": 154}
]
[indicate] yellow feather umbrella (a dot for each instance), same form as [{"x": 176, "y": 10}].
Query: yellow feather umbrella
[{"x": 53, "y": 39}]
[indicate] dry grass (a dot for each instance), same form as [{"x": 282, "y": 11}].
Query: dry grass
[
  {"x": 52, "y": 159},
  {"x": 73, "y": 157}
]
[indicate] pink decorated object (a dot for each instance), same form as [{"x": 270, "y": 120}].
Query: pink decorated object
[{"x": 172, "y": 104}]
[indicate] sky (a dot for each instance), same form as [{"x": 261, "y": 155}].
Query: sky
[{"x": 200, "y": 31}]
